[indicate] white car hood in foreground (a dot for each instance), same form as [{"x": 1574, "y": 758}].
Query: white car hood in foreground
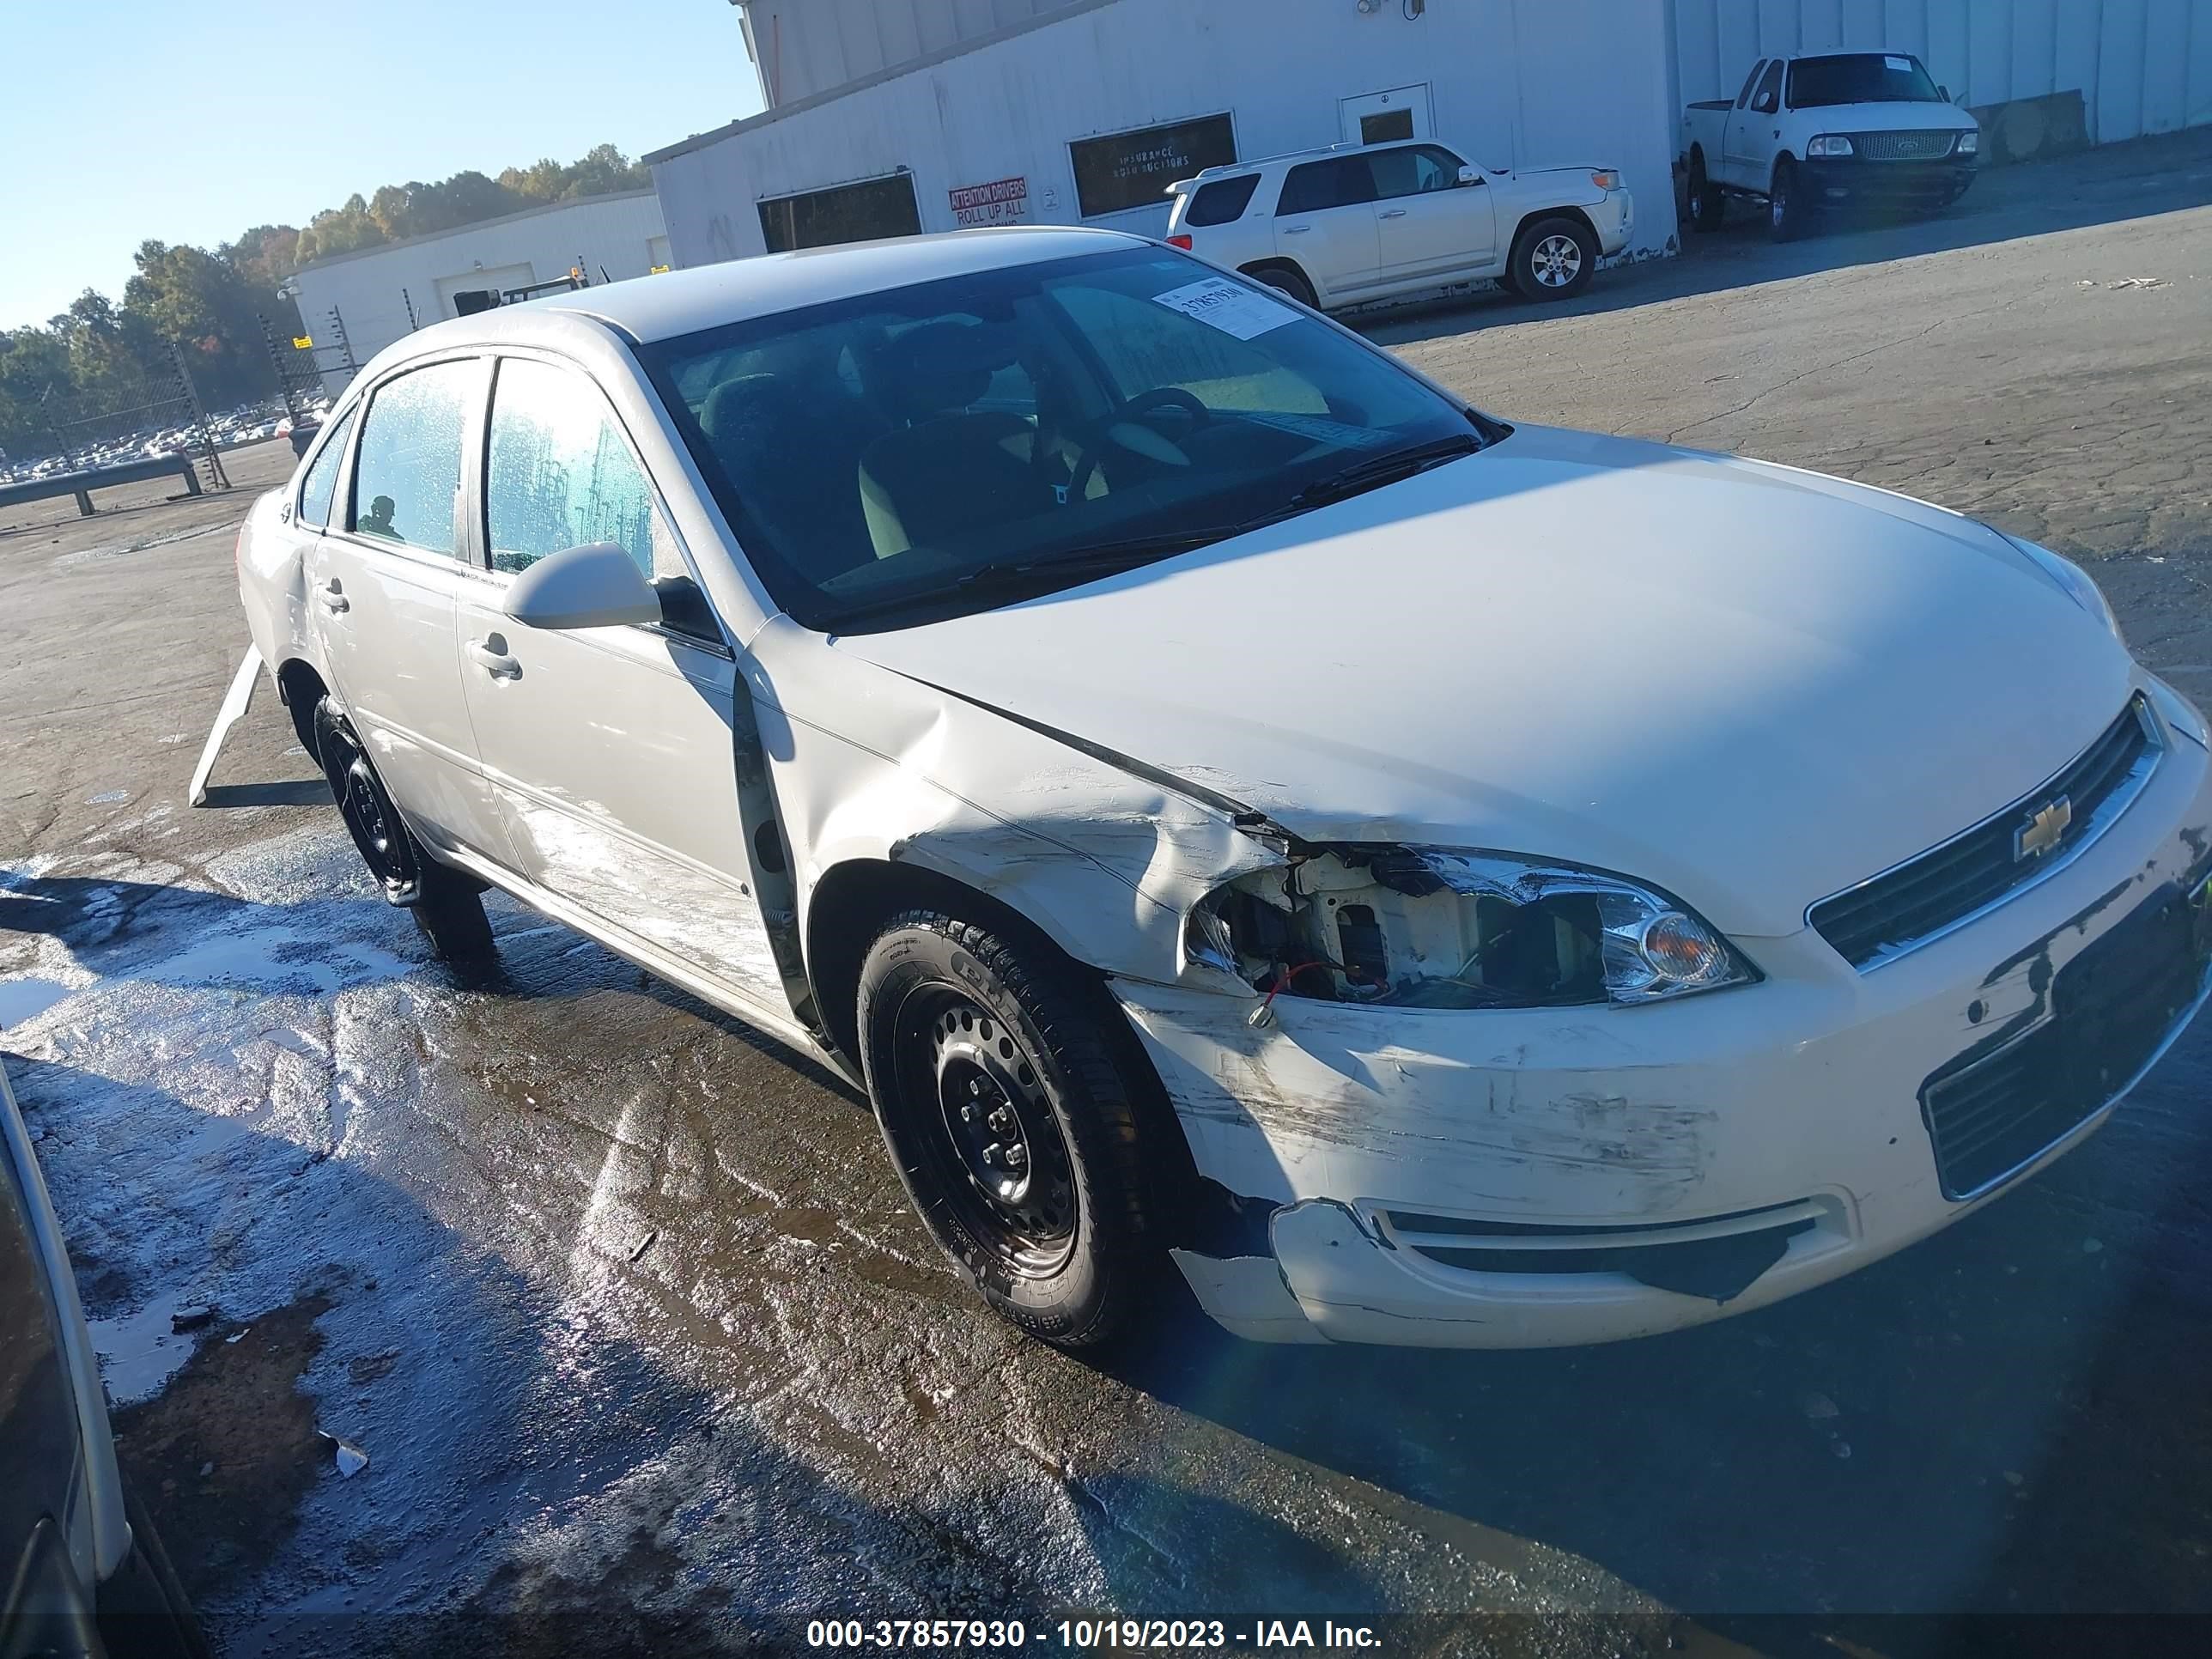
[{"x": 1749, "y": 685}]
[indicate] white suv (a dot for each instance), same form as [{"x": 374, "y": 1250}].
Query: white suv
[{"x": 1357, "y": 222}]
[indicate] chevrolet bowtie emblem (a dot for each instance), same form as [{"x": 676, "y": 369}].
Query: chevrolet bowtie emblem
[{"x": 2042, "y": 830}]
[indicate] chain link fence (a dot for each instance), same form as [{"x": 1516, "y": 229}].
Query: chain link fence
[{"x": 130, "y": 416}]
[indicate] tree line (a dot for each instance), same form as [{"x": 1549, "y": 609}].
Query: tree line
[{"x": 99, "y": 355}]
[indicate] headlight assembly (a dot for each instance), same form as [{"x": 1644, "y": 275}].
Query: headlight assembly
[
  {"x": 1829, "y": 144},
  {"x": 1436, "y": 927}
]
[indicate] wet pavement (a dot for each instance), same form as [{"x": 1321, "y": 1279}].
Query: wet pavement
[{"x": 623, "y": 1304}]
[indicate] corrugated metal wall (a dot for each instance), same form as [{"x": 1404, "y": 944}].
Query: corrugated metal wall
[
  {"x": 2142, "y": 66},
  {"x": 806, "y": 46}
]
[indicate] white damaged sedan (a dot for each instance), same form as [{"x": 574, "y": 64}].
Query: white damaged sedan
[{"x": 1233, "y": 805}]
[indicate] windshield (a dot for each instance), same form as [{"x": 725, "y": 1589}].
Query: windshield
[
  {"x": 962, "y": 443},
  {"x": 1860, "y": 77}
]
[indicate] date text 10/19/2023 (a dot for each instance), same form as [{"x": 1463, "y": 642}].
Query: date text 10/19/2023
[{"x": 1084, "y": 1634}]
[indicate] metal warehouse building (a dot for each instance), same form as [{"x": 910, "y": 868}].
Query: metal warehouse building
[
  {"x": 886, "y": 117},
  {"x": 380, "y": 294}
]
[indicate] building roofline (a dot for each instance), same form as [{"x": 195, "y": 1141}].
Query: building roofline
[
  {"x": 829, "y": 94},
  {"x": 476, "y": 224}
]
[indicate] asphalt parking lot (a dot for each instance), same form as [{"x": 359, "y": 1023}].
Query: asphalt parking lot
[{"x": 623, "y": 1303}]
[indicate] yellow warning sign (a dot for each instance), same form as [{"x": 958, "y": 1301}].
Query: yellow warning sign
[{"x": 303, "y": 342}]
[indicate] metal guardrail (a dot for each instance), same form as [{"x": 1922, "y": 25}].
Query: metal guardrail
[{"x": 81, "y": 484}]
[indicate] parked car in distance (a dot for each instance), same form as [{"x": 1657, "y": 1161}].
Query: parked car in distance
[
  {"x": 1829, "y": 130},
  {"x": 82, "y": 1573},
  {"x": 1229, "y": 801},
  {"x": 1358, "y": 223}
]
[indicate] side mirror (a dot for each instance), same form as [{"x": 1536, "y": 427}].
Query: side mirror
[
  {"x": 594, "y": 585},
  {"x": 1943, "y": 92},
  {"x": 1469, "y": 176}
]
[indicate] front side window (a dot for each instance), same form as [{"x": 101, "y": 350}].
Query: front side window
[
  {"x": 1769, "y": 89},
  {"x": 1414, "y": 171},
  {"x": 1860, "y": 77},
  {"x": 1749, "y": 81},
  {"x": 321, "y": 485},
  {"x": 407, "y": 483},
  {"x": 1314, "y": 187},
  {"x": 558, "y": 473},
  {"x": 956, "y": 445}
]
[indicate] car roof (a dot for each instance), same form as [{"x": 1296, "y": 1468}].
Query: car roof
[
  {"x": 1257, "y": 163},
  {"x": 657, "y": 307}
]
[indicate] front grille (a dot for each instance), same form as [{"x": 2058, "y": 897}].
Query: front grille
[
  {"x": 2111, "y": 1008},
  {"x": 1902, "y": 146},
  {"x": 1882, "y": 917}
]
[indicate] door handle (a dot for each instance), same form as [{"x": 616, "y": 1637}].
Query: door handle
[
  {"x": 333, "y": 596},
  {"x": 1296, "y": 230},
  {"x": 489, "y": 655},
  {"x": 1393, "y": 213}
]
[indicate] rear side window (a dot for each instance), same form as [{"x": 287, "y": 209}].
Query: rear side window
[
  {"x": 1223, "y": 200},
  {"x": 1341, "y": 181},
  {"x": 407, "y": 483},
  {"x": 321, "y": 487},
  {"x": 1749, "y": 81}
]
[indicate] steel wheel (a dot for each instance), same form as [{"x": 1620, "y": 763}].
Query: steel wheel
[
  {"x": 1001, "y": 1160},
  {"x": 370, "y": 818}
]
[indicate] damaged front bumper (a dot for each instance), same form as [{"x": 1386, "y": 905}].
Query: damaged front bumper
[{"x": 1485, "y": 1178}]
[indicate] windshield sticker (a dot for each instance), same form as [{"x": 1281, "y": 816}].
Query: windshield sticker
[
  {"x": 1230, "y": 307},
  {"x": 1902, "y": 65}
]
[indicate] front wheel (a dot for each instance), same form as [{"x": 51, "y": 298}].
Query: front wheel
[
  {"x": 445, "y": 903},
  {"x": 1553, "y": 259},
  {"x": 1786, "y": 206},
  {"x": 1014, "y": 1126}
]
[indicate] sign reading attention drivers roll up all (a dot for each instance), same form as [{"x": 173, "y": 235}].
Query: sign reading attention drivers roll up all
[{"x": 1001, "y": 202}]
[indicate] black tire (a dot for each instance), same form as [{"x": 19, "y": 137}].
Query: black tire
[
  {"x": 1708, "y": 205},
  {"x": 1785, "y": 207},
  {"x": 1287, "y": 280},
  {"x": 974, "y": 1045},
  {"x": 1553, "y": 259},
  {"x": 446, "y": 904}
]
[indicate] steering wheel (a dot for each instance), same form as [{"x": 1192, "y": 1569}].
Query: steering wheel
[{"x": 1095, "y": 434}]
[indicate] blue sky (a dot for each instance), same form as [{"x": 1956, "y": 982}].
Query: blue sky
[{"x": 124, "y": 119}]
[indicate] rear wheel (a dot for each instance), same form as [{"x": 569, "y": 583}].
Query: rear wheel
[
  {"x": 1553, "y": 259},
  {"x": 1708, "y": 206},
  {"x": 446, "y": 904},
  {"x": 1288, "y": 280},
  {"x": 1014, "y": 1124}
]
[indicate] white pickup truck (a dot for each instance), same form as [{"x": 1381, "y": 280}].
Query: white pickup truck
[{"x": 1825, "y": 130}]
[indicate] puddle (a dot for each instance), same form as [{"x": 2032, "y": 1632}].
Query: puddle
[
  {"x": 139, "y": 1353},
  {"x": 27, "y": 999},
  {"x": 107, "y": 797}
]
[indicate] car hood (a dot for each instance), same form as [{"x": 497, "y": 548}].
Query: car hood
[{"x": 1750, "y": 685}]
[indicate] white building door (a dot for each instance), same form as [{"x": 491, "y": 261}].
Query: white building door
[{"x": 1377, "y": 118}]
